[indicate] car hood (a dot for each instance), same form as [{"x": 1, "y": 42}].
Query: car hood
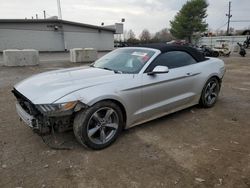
[{"x": 50, "y": 86}]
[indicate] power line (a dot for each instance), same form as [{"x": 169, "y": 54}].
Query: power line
[
  {"x": 240, "y": 20},
  {"x": 222, "y": 26}
]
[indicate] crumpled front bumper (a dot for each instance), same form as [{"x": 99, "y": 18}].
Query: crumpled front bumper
[{"x": 26, "y": 118}]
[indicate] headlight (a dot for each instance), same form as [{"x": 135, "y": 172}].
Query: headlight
[{"x": 57, "y": 109}]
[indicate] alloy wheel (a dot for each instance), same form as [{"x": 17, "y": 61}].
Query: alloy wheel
[
  {"x": 102, "y": 125},
  {"x": 211, "y": 92}
]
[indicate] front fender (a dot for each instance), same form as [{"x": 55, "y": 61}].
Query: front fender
[
  {"x": 105, "y": 97},
  {"x": 91, "y": 97}
]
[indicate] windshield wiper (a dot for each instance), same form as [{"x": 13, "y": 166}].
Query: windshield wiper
[
  {"x": 115, "y": 71},
  {"x": 105, "y": 68}
]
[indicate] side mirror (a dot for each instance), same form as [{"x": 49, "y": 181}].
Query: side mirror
[{"x": 159, "y": 70}]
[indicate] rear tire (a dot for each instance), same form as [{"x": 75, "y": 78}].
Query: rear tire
[
  {"x": 216, "y": 54},
  {"x": 98, "y": 126},
  {"x": 210, "y": 93}
]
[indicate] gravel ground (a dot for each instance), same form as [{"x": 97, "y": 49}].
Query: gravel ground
[{"x": 192, "y": 148}]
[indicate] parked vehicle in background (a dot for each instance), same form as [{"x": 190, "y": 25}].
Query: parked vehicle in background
[
  {"x": 124, "y": 88},
  {"x": 242, "y": 51},
  {"x": 247, "y": 42},
  {"x": 222, "y": 47},
  {"x": 209, "y": 52},
  {"x": 120, "y": 44},
  {"x": 178, "y": 42}
]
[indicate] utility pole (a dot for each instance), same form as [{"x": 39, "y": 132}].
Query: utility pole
[
  {"x": 59, "y": 10},
  {"x": 61, "y": 23},
  {"x": 44, "y": 14},
  {"x": 229, "y": 16}
]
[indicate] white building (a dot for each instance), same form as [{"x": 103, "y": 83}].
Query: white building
[{"x": 53, "y": 35}]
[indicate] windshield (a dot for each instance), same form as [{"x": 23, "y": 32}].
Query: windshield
[{"x": 125, "y": 60}]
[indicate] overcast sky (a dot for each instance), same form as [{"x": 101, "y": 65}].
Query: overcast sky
[{"x": 139, "y": 14}]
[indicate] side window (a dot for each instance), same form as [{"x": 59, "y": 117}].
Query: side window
[{"x": 172, "y": 60}]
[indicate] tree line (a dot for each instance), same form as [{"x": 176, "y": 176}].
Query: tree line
[
  {"x": 146, "y": 36},
  {"x": 188, "y": 23}
]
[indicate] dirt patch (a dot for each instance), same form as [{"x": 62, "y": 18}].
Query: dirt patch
[{"x": 192, "y": 148}]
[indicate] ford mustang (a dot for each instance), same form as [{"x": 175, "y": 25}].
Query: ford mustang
[{"x": 124, "y": 88}]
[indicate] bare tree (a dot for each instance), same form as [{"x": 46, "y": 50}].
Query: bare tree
[
  {"x": 162, "y": 36},
  {"x": 131, "y": 34},
  {"x": 145, "y": 36},
  {"x": 220, "y": 32},
  {"x": 131, "y": 37}
]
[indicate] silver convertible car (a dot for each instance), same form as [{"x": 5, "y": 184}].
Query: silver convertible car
[{"x": 124, "y": 88}]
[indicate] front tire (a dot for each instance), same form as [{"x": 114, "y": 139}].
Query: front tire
[
  {"x": 98, "y": 126},
  {"x": 210, "y": 93},
  {"x": 216, "y": 54}
]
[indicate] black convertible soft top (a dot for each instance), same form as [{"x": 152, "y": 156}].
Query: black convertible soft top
[{"x": 169, "y": 47}]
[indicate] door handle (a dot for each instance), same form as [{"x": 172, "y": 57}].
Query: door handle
[{"x": 191, "y": 74}]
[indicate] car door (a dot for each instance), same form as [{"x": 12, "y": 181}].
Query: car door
[{"x": 162, "y": 93}]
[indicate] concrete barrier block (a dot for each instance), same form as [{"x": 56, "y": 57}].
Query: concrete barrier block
[
  {"x": 90, "y": 54},
  {"x": 78, "y": 55},
  {"x": 26, "y": 57}
]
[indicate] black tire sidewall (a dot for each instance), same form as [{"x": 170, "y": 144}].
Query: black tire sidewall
[
  {"x": 202, "y": 99},
  {"x": 84, "y": 119},
  {"x": 216, "y": 54}
]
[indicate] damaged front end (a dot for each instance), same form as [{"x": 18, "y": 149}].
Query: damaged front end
[{"x": 45, "y": 118}]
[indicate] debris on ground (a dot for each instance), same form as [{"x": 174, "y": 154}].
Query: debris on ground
[
  {"x": 234, "y": 119},
  {"x": 215, "y": 149},
  {"x": 234, "y": 142},
  {"x": 4, "y": 166},
  {"x": 200, "y": 180},
  {"x": 220, "y": 181}
]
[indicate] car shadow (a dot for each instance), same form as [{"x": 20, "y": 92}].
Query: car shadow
[
  {"x": 67, "y": 141},
  {"x": 163, "y": 119}
]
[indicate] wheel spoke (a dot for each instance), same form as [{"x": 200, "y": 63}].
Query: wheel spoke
[
  {"x": 113, "y": 126},
  {"x": 92, "y": 131},
  {"x": 209, "y": 85},
  {"x": 108, "y": 114},
  {"x": 103, "y": 125},
  {"x": 209, "y": 99},
  {"x": 206, "y": 95},
  {"x": 212, "y": 100},
  {"x": 214, "y": 94},
  {"x": 213, "y": 86},
  {"x": 102, "y": 136},
  {"x": 97, "y": 117}
]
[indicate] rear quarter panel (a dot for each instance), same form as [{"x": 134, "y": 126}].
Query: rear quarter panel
[{"x": 209, "y": 68}]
